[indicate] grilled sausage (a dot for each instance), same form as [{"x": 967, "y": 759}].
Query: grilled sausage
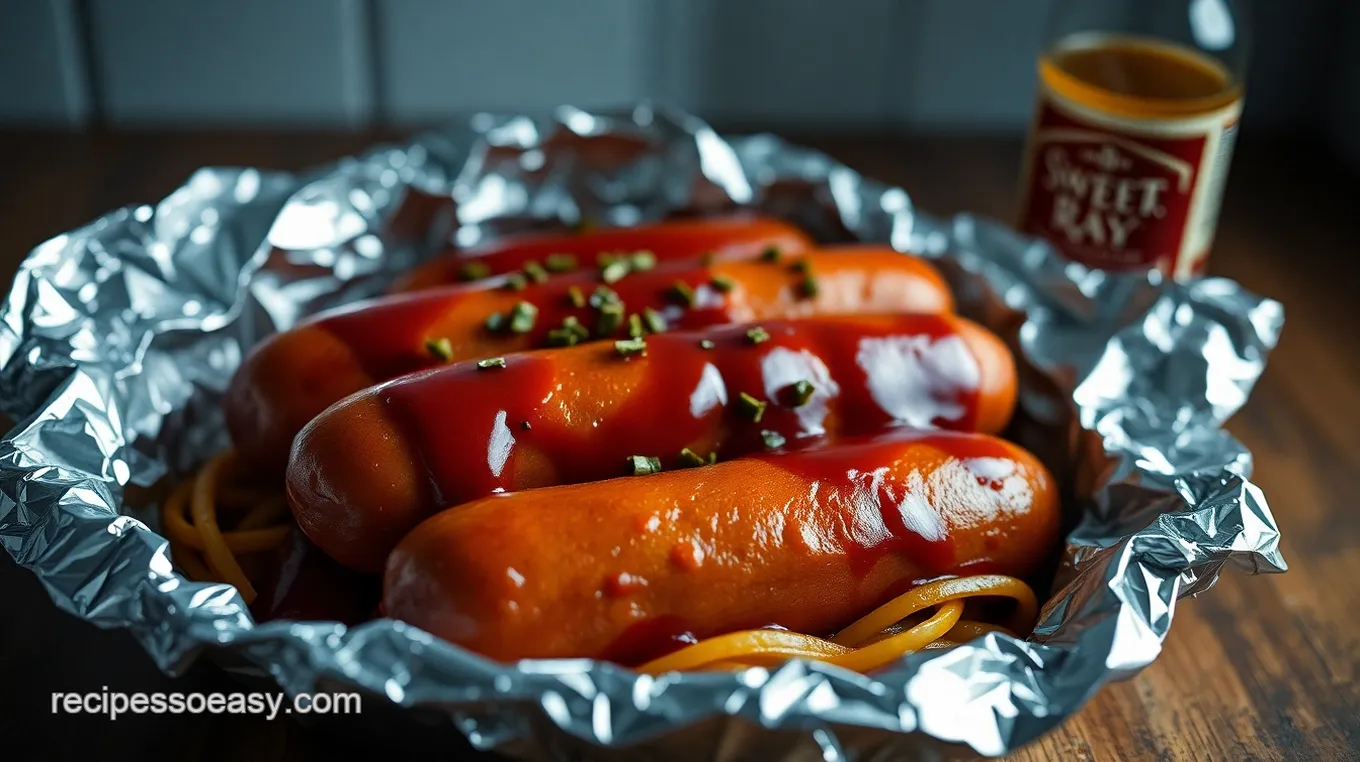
[
  {"x": 669, "y": 241},
  {"x": 630, "y": 568},
  {"x": 294, "y": 375},
  {"x": 364, "y": 472}
]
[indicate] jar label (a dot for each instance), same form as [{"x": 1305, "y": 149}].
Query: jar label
[{"x": 1118, "y": 193}]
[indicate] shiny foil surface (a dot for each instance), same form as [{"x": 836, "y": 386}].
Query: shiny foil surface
[{"x": 117, "y": 340}]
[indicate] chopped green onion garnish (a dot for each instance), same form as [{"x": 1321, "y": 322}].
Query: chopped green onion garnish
[
  {"x": 474, "y": 271},
  {"x": 641, "y": 465},
  {"x": 628, "y": 347},
  {"x": 643, "y": 260},
  {"x": 522, "y": 317},
  {"x": 757, "y": 335},
  {"x": 706, "y": 344},
  {"x": 771, "y": 254},
  {"x": 577, "y": 298},
  {"x": 635, "y": 328},
  {"x": 611, "y": 317},
  {"x": 440, "y": 348},
  {"x": 802, "y": 392},
  {"x": 560, "y": 263},
  {"x": 573, "y": 326},
  {"x": 535, "y": 272},
  {"x": 604, "y": 295},
  {"x": 656, "y": 323},
  {"x": 614, "y": 271},
  {"x": 495, "y": 321},
  {"x": 809, "y": 287},
  {"x": 682, "y": 291},
  {"x": 561, "y": 337},
  {"x": 723, "y": 283},
  {"x": 516, "y": 281},
  {"x": 689, "y": 457},
  {"x": 773, "y": 439},
  {"x": 492, "y": 362},
  {"x": 751, "y": 407},
  {"x": 712, "y": 457}
]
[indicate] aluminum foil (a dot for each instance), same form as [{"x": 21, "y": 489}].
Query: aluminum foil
[{"x": 117, "y": 339}]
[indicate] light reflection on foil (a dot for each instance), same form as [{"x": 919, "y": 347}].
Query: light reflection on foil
[{"x": 116, "y": 339}]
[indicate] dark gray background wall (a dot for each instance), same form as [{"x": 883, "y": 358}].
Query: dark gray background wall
[{"x": 856, "y": 64}]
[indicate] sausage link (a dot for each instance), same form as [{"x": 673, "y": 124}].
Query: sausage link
[
  {"x": 630, "y": 568},
  {"x": 293, "y": 376},
  {"x": 364, "y": 472},
  {"x": 669, "y": 241}
]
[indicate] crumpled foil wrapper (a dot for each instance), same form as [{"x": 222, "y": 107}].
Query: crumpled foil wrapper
[{"x": 117, "y": 339}]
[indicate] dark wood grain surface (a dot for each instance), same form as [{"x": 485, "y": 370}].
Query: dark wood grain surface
[{"x": 1260, "y": 668}]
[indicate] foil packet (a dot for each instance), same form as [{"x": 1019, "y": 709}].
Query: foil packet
[{"x": 117, "y": 339}]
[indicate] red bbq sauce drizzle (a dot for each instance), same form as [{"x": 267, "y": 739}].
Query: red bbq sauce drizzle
[
  {"x": 669, "y": 242},
  {"x": 380, "y": 331},
  {"x": 468, "y": 422}
]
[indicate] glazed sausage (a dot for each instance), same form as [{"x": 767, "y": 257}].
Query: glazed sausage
[
  {"x": 630, "y": 568},
  {"x": 669, "y": 241},
  {"x": 364, "y": 472},
  {"x": 294, "y": 375}
]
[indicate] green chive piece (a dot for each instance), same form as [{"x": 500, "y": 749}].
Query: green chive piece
[
  {"x": 495, "y": 321},
  {"x": 708, "y": 258},
  {"x": 690, "y": 458},
  {"x": 560, "y": 263},
  {"x": 706, "y": 344},
  {"x": 643, "y": 261},
  {"x": 604, "y": 295},
  {"x": 770, "y": 254},
  {"x": 773, "y": 439},
  {"x": 712, "y": 457},
  {"x": 635, "y": 329},
  {"x": 522, "y": 317},
  {"x": 491, "y": 362},
  {"x": 561, "y": 337},
  {"x": 611, "y": 317},
  {"x": 629, "y": 347},
  {"x": 573, "y": 326},
  {"x": 809, "y": 287},
  {"x": 802, "y": 393},
  {"x": 578, "y": 299},
  {"x": 474, "y": 271},
  {"x": 641, "y": 465},
  {"x": 614, "y": 271},
  {"x": 525, "y": 425},
  {"x": 440, "y": 348},
  {"x": 722, "y": 283},
  {"x": 751, "y": 407},
  {"x": 757, "y": 335},
  {"x": 656, "y": 323},
  {"x": 682, "y": 291},
  {"x": 516, "y": 282},
  {"x": 535, "y": 272}
]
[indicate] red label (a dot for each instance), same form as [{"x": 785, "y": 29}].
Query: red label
[{"x": 1110, "y": 199}]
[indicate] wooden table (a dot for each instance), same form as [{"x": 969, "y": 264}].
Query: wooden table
[{"x": 1259, "y": 668}]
